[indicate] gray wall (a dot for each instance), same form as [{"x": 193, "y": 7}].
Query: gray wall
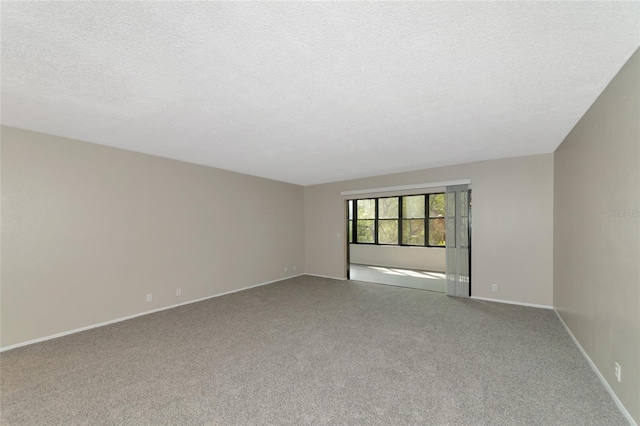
[
  {"x": 88, "y": 231},
  {"x": 423, "y": 258},
  {"x": 512, "y": 224},
  {"x": 597, "y": 233}
]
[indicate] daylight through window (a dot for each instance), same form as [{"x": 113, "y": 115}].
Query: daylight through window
[{"x": 411, "y": 220}]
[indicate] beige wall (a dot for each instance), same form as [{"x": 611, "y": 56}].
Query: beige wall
[
  {"x": 423, "y": 258},
  {"x": 512, "y": 224},
  {"x": 597, "y": 257},
  {"x": 88, "y": 231}
]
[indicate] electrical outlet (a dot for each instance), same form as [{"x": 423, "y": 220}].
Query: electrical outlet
[
  {"x": 618, "y": 372},
  {"x": 149, "y": 297},
  {"x": 294, "y": 267},
  {"x": 178, "y": 292},
  {"x": 286, "y": 269},
  {"x": 494, "y": 287}
]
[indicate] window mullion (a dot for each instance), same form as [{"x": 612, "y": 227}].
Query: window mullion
[
  {"x": 400, "y": 225},
  {"x": 398, "y": 221},
  {"x": 427, "y": 229},
  {"x": 375, "y": 224},
  {"x": 355, "y": 222}
]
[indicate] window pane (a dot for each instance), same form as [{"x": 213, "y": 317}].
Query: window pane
[
  {"x": 350, "y": 209},
  {"x": 413, "y": 232},
  {"x": 464, "y": 232},
  {"x": 350, "y": 231},
  {"x": 436, "y": 205},
  {"x": 388, "y": 208},
  {"x": 366, "y": 209},
  {"x": 413, "y": 206},
  {"x": 436, "y": 232},
  {"x": 464, "y": 203},
  {"x": 365, "y": 230},
  {"x": 388, "y": 232},
  {"x": 451, "y": 204}
]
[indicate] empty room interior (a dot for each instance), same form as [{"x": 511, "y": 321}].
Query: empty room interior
[{"x": 244, "y": 213}]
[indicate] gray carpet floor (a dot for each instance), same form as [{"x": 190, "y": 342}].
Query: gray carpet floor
[{"x": 312, "y": 351}]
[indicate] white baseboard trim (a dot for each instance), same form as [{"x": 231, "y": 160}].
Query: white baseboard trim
[
  {"x": 113, "y": 321},
  {"x": 510, "y": 302},
  {"x": 622, "y": 408},
  {"x": 326, "y": 276}
]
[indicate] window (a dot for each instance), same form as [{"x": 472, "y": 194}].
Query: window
[
  {"x": 412, "y": 220},
  {"x": 388, "y": 217},
  {"x": 365, "y": 221},
  {"x": 436, "y": 220}
]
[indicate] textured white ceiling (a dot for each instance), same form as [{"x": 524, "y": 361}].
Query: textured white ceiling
[{"x": 312, "y": 92}]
